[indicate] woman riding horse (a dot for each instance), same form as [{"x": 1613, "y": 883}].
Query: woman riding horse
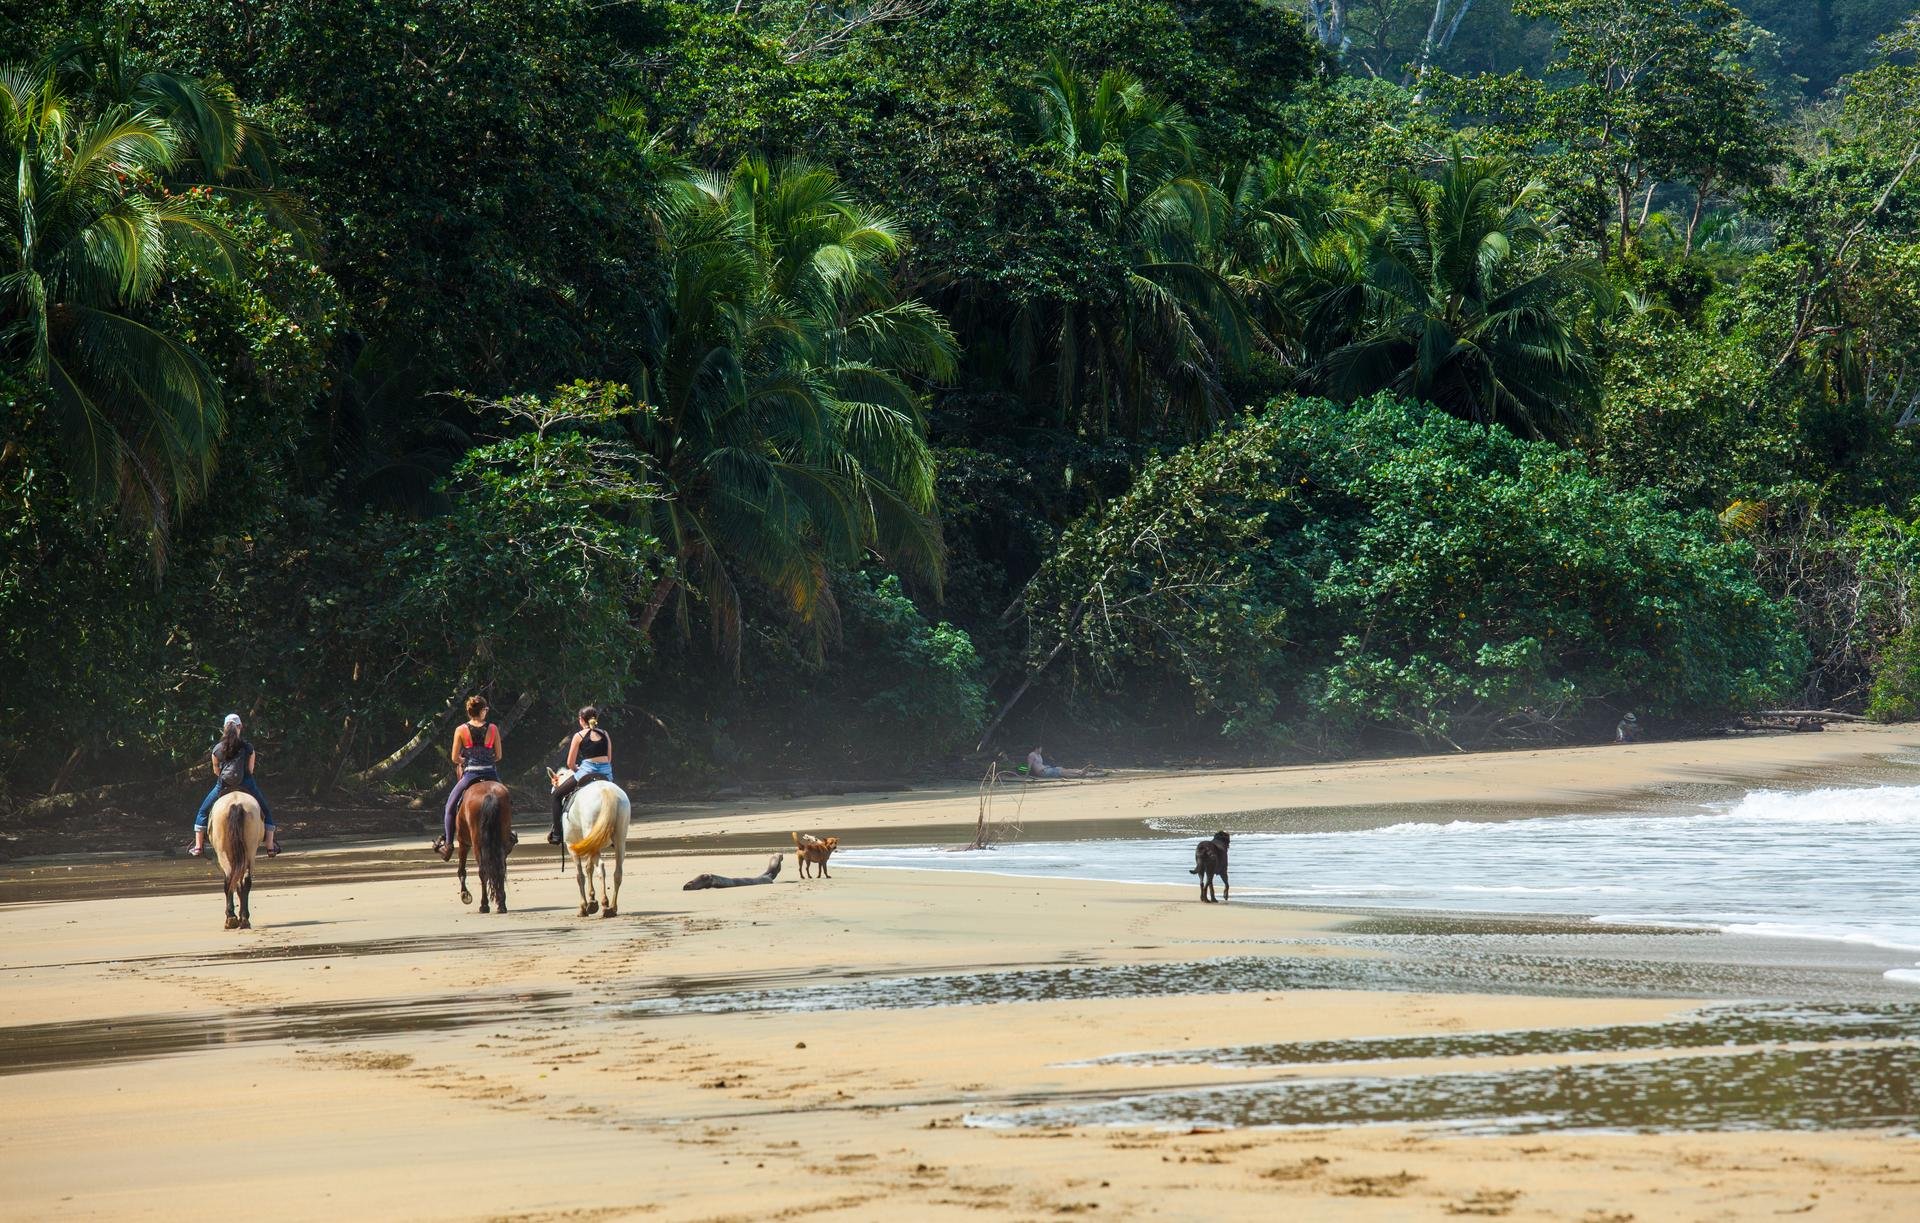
[
  {"x": 476, "y": 753},
  {"x": 589, "y": 756},
  {"x": 234, "y": 762}
]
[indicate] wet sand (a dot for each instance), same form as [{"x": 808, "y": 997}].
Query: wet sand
[{"x": 897, "y": 1044}]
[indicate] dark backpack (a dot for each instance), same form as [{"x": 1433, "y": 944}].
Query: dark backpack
[{"x": 233, "y": 772}]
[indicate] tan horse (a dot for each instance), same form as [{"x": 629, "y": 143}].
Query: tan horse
[
  {"x": 596, "y": 818},
  {"x": 235, "y": 830},
  {"x": 483, "y": 824}
]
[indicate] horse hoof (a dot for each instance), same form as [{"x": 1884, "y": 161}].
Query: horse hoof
[
  {"x": 466, "y": 897},
  {"x": 233, "y": 923},
  {"x": 593, "y": 906},
  {"x": 245, "y": 924},
  {"x": 503, "y": 907},
  {"x": 484, "y": 908},
  {"x": 583, "y": 908},
  {"x": 607, "y": 912}
]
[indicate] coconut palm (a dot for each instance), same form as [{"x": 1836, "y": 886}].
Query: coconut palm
[
  {"x": 88, "y": 234},
  {"x": 782, "y": 420},
  {"x": 1466, "y": 305},
  {"x": 1287, "y": 243},
  {"x": 1157, "y": 346},
  {"x": 219, "y": 141}
]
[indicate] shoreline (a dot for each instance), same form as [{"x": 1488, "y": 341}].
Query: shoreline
[
  {"x": 1494, "y": 784},
  {"x": 827, "y": 1048},
  {"x": 357, "y": 1018}
]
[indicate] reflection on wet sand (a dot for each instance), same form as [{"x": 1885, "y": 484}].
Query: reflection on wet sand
[{"x": 1847, "y": 1087}]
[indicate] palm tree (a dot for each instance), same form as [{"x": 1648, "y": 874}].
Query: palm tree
[
  {"x": 89, "y": 231},
  {"x": 1464, "y": 304},
  {"x": 780, "y": 418},
  {"x": 1158, "y": 346},
  {"x": 1287, "y": 243}
]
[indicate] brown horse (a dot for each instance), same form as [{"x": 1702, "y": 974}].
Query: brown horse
[
  {"x": 484, "y": 823},
  {"x": 235, "y": 830}
]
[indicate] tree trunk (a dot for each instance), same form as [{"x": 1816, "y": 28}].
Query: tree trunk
[
  {"x": 519, "y": 709},
  {"x": 662, "y": 591},
  {"x": 404, "y": 755},
  {"x": 987, "y": 734},
  {"x": 1623, "y": 197},
  {"x": 329, "y": 781},
  {"x": 71, "y": 801},
  {"x": 1699, "y": 207},
  {"x": 1438, "y": 38},
  {"x": 66, "y": 771}
]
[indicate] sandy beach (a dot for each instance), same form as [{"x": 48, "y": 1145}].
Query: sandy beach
[{"x": 372, "y": 1049}]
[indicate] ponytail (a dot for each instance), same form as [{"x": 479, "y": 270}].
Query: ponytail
[
  {"x": 590, "y": 714},
  {"x": 229, "y": 737}
]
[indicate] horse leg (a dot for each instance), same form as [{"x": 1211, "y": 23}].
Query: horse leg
[
  {"x": 233, "y": 923},
  {"x": 480, "y": 868},
  {"x": 246, "y": 892},
  {"x": 619, "y": 869},
  {"x": 580, "y": 881},
  {"x": 593, "y": 897},
  {"x": 1225, "y": 883},
  {"x": 466, "y": 897},
  {"x": 499, "y": 871}
]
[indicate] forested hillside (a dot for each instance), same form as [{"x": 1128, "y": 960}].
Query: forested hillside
[{"x": 818, "y": 387}]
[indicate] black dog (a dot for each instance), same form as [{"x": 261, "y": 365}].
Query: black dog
[{"x": 1210, "y": 859}]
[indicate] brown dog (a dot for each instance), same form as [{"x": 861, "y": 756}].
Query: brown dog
[
  {"x": 1210, "y": 859},
  {"x": 816, "y": 850}
]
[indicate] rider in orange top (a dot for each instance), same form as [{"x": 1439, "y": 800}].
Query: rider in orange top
[{"x": 476, "y": 753}]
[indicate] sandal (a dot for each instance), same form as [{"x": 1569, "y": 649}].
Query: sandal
[
  {"x": 272, "y": 852},
  {"x": 441, "y": 847},
  {"x": 196, "y": 851}
]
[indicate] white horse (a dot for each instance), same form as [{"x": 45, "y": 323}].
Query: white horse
[{"x": 596, "y": 816}]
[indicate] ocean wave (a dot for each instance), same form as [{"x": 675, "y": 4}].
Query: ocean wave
[{"x": 1837, "y": 865}]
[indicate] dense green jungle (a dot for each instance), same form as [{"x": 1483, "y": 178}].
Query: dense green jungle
[{"x": 854, "y": 389}]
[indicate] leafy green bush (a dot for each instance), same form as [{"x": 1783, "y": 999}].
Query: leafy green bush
[
  {"x": 1895, "y": 695},
  {"x": 1327, "y": 571},
  {"x": 893, "y": 692}
]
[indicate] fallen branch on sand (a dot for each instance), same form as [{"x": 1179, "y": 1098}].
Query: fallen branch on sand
[{"x": 700, "y": 882}]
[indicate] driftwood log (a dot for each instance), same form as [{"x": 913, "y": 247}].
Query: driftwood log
[{"x": 701, "y": 882}]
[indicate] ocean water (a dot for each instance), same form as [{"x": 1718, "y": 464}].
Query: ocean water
[{"x": 1832, "y": 864}]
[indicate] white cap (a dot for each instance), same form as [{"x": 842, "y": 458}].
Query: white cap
[{"x": 233, "y": 719}]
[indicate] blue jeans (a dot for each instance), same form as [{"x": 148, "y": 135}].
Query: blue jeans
[
  {"x": 602, "y": 769},
  {"x": 460, "y": 787},
  {"x": 250, "y": 786}
]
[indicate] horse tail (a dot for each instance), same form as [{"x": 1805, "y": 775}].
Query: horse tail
[
  {"x": 601, "y": 834},
  {"x": 233, "y": 843},
  {"x": 488, "y": 845}
]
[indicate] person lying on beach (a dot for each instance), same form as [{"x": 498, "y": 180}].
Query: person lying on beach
[{"x": 1037, "y": 766}]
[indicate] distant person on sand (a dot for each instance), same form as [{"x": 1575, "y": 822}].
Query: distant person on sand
[
  {"x": 234, "y": 761},
  {"x": 1627, "y": 730},
  {"x": 1037, "y": 766},
  {"x": 589, "y": 755},
  {"x": 476, "y": 753}
]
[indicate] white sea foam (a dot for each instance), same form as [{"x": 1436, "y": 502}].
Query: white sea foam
[{"x": 1834, "y": 864}]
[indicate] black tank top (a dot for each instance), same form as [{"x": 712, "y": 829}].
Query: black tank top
[
  {"x": 593, "y": 745},
  {"x": 477, "y": 755}
]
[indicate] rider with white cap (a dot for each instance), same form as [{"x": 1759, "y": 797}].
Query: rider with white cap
[{"x": 234, "y": 761}]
